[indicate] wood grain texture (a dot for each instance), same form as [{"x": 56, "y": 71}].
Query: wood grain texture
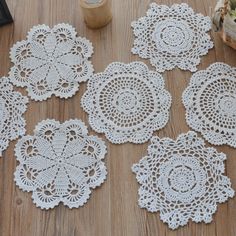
[{"x": 112, "y": 209}]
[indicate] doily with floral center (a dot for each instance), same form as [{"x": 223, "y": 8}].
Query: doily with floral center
[
  {"x": 182, "y": 180},
  {"x": 51, "y": 61},
  {"x": 12, "y": 107},
  {"x": 60, "y": 163},
  {"x": 210, "y": 102},
  {"x": 127, "y": 102},
  {"x": 172, "y": 37}
]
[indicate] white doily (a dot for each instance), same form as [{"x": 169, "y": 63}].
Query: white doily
[
  {"x": 127, "y": 102},
  {"x": 182, "y": 179},
  {"x": 172, "y": 37},
  {"x": 60, "y": 163},
  {"x": 12, "y": 107},
  {"x": 210, "y": 102},
  {"x": 51, "y": 61}
]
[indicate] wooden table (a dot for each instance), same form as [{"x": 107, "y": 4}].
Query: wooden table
[{"x": 112, "y": 208}]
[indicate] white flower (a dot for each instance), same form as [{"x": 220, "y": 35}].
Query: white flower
[
  {"x": 60, "y": 163},
  {"x": 12, "y": 107},
  {"x": 172, "y": 37},
  {"x": 127, "y": 102},
  {"x": 185, "y": 181},
  {"x": 210, "y": 102},
  {"x": 51, "y": 61}
]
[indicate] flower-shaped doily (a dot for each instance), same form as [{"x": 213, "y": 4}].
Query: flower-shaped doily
[
  {"x": 127, "y": 102},
  {"x": 12, "y": 107},
  {"x": 172, "y": 37},
  {"x": 210, "y": 102},
  {"x": 51, "y": 61},
  {"x": 182, "y": 179},
  {"x": 60, "y": 163}
]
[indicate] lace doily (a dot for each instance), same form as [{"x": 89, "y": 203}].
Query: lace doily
[
  {"x": 127, "y": 102},
  {"x": 210, "y": 102},
  {"x": 172, "y": 37},
  {"x": 60, "y": 163},
  {"x": 12, "y": 107},
  {"x": 51, "y": 61},
  {"x": 182, "y": 179}
]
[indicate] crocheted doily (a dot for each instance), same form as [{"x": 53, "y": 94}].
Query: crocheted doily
[
  {"x": 51, "y": 61},
  {"x": 182, "y": 179},
  {"x": 12, "y": 107},
  {"x": 127, "y": 102},
  {"x": 60, "y": 163},
  {"x": 172, "y": 37},
  {"x": 210, "y": 102}
]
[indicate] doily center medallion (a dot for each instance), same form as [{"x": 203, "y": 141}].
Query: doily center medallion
[
  {"x": 123, "y": 103},
  {"x": 219, "y": 95},
  {"x": 227, "y": 104},
  {"x": 210, "y": 102},
  {"x": 172, "y": 37},
  {"x": 127, "y": 102},
  {"x": 175, "y": 35},
  {"x": 182, "y": 179}
]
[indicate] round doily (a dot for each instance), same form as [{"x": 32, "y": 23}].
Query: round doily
[
  {"x": 182, "y": 179},
  {"x": 51, "y": 61},
  {"x": 60, "y": 163},
  {"x": 127, "y": 102},
  {"x": 172, "y": 37},
  {"x": 210, "y": 102},
  {"x": 12, "y": 107}
]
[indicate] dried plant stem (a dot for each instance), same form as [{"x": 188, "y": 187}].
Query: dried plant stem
[{"x": 225, "y": 9}]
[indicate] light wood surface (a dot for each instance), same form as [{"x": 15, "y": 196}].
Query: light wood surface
[{"x": 112, "y": 209}]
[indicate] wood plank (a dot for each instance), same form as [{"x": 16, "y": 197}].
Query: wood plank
[{"x": 112, "y": 208}]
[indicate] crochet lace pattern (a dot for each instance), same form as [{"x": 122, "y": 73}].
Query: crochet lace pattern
[
  {"x": 51, "y": 61},
  {"x": 127, "y": 102},
  {"x": 12, "y": 107},
  {"x": 210, "y": 102},
  {"x": 182, "y": 179},
  {"x": 60, "y": 163},
  {"x": 172, "y": 37}
]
